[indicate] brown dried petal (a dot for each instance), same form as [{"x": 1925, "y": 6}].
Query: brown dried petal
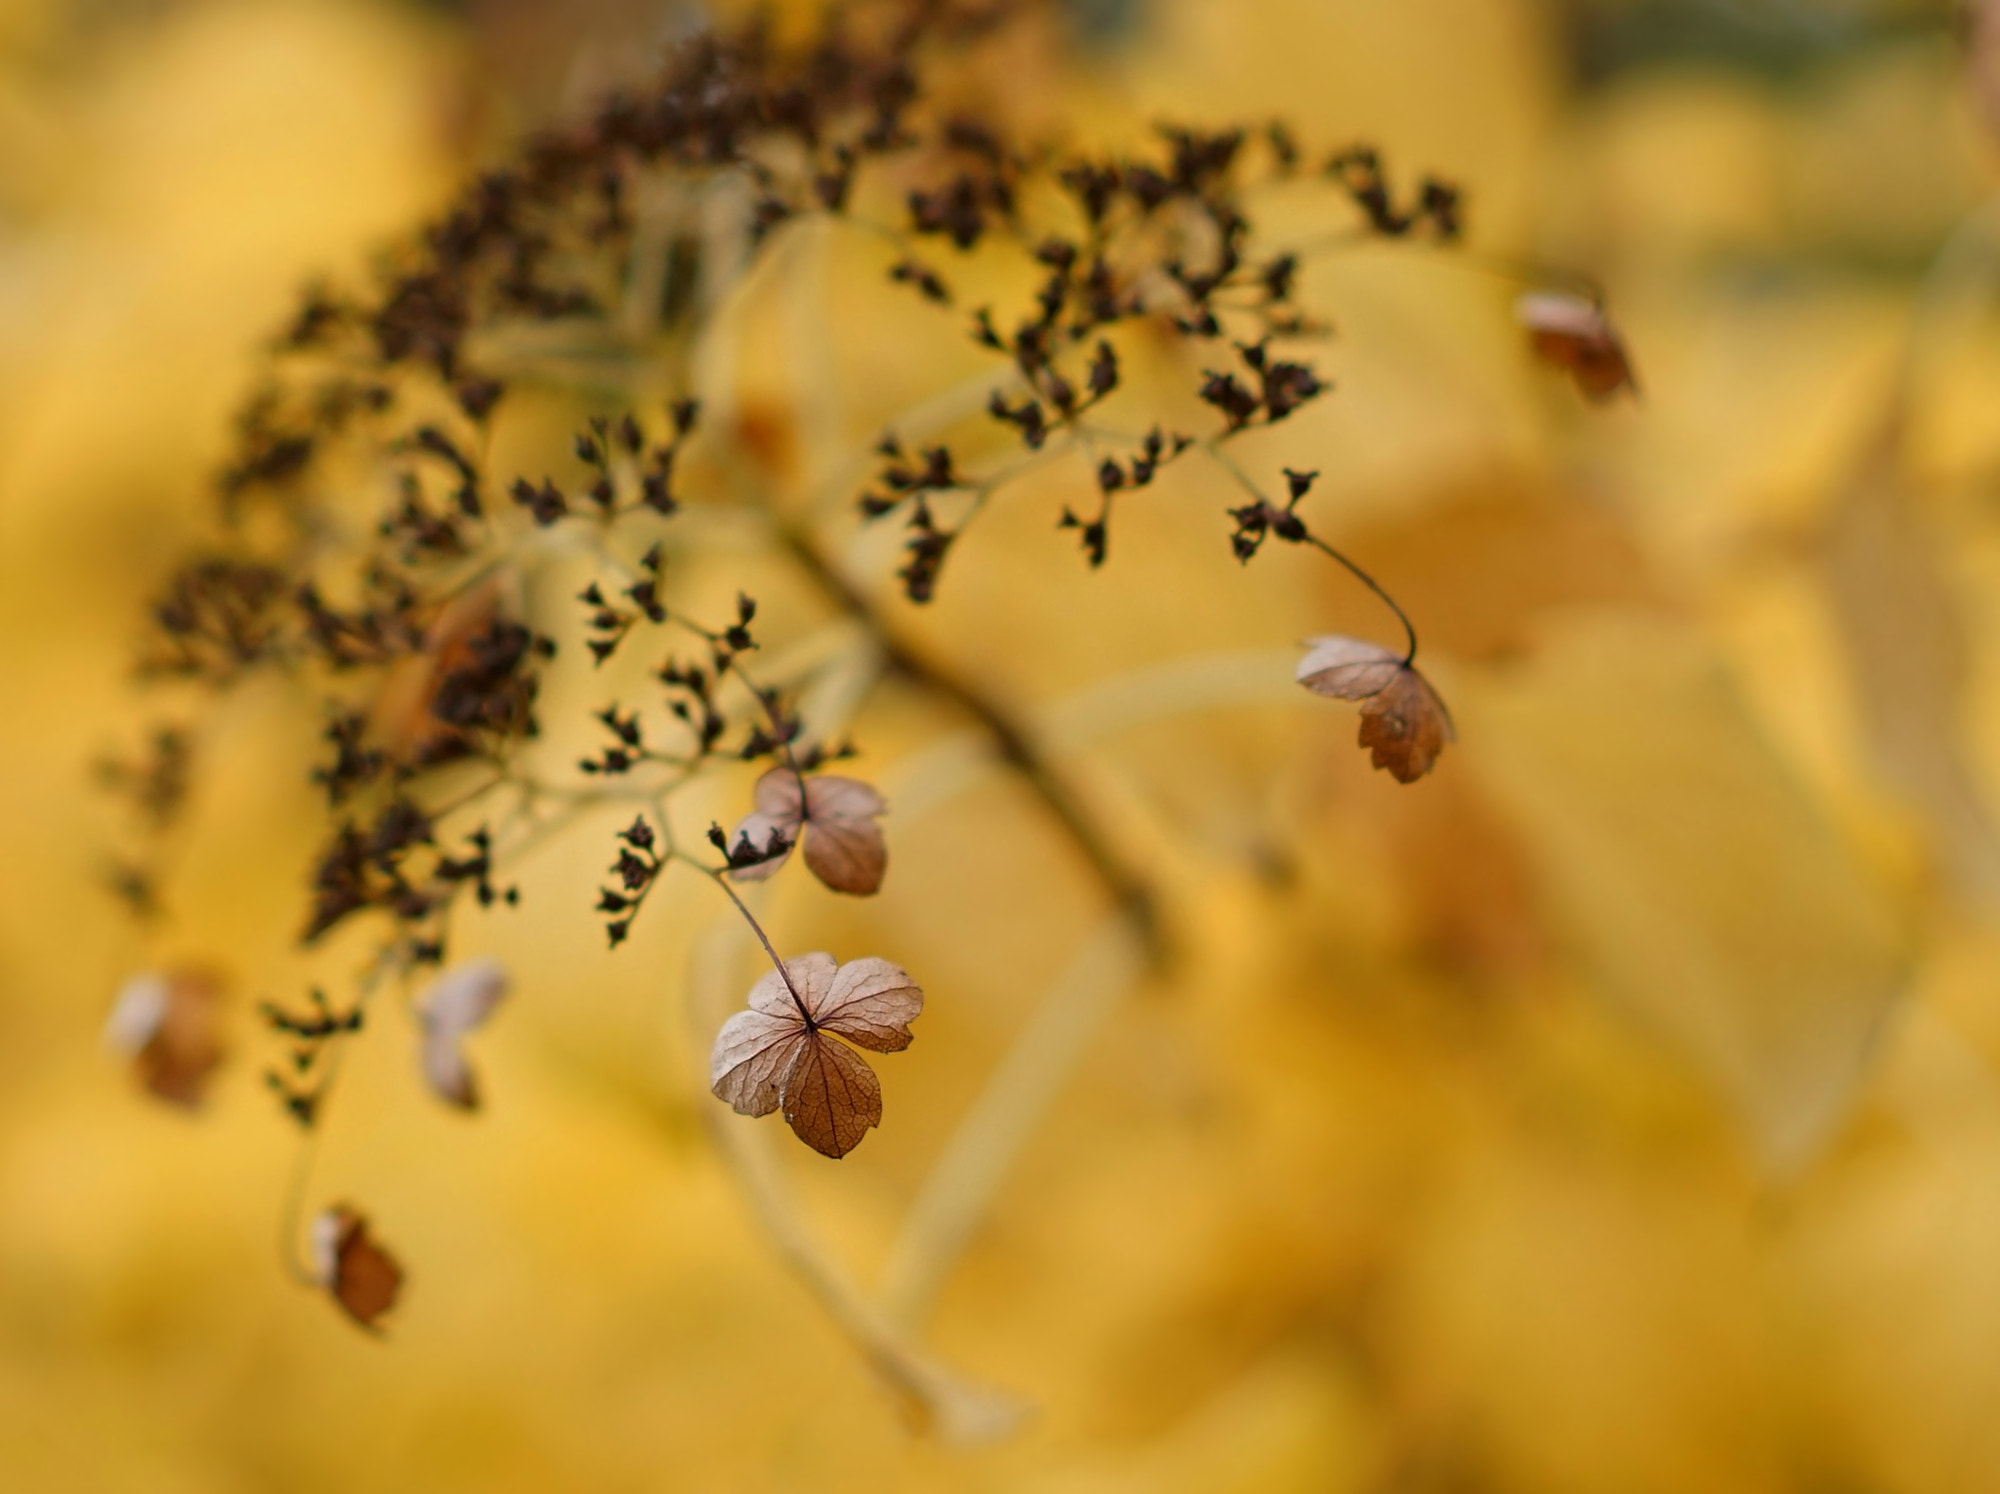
[
  {"x": 458, "y": 1001},
  {"x": 168, "y": 1024},
  {"x": 1406, "y": 726},
  {"x": 362, "y": 1277},
  {"x": 871, "y": 1002},
  {"x": 844, "y": 845},
  {"x": 1574, "y": 334},
  {"x": 831, "y": 1096}
]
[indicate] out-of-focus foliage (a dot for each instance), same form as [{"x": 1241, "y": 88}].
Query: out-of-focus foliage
[{"x": 1613, "y": 1110}]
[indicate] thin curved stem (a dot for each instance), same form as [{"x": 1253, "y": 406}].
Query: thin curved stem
[
  {"x": 1409, "y": 628},
  {"x": 1215, "y": 453},
  {"x": 777, "y": 961}
]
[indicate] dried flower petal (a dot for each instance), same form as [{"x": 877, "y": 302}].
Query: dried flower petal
[
  {"x": 831, "y": 1096},
  {"x": 457, "y": 1002},
  {"x": 1403, "y": 722},
  {"x": 167, "y": 1024},
  {"x": 777, "y": 1054},
  {"x": 362, "y": 1277},
  {"x": 1574, "y": 334},
  {"x": 834, "y": 816}
]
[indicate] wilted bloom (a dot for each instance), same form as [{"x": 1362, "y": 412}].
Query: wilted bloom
[
  {"x": 1574, "y": 334},
  {"x": 1402, "y": 719},
  {"x": 777, "y": 1053},
  {"x": 457, "y": 1001},
  {"x": 835, "y": 817},
  {"x": 361, "y": 1276},
  {"x": 167, "y": 1024}
]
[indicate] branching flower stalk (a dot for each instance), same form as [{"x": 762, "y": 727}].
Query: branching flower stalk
[{"x": 372, "y": 549}]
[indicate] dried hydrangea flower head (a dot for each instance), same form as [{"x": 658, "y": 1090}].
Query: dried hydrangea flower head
[{"x": 782, "y": 1051}]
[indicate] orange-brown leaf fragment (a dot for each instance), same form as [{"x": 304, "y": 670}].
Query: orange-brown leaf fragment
[
  {"x": 457, "y": 1001},
  {"x": 168, "y": 1024},
  {"x": 834, "y": 816},
  {"x": 351, "y": 1264},
  {"x": 782, "y": 1053},
  {"x": 1574, "y": 334},
  {"x": 402, "y": 720},
  {"x": 1403, "y": 723}
]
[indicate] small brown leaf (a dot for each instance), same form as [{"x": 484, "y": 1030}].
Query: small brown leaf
[
  {"x": 836, "y": 819},
  {"x": 1574, "y": 334},
  {"x": 778, "y": 1053},
  {"x": 1403, "y": 722},
  {"x": 457, "y": 1002},
  {"x": 167, "y": 1024},
  {"x": 401, "y": 721},
  {"x": 361, "y": 1276}
]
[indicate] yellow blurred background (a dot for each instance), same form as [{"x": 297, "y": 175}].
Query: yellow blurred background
[{"x": 1615, "y": 1110}]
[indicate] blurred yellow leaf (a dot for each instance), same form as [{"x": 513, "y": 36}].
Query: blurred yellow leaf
[{"x": 1706, "y": 890}]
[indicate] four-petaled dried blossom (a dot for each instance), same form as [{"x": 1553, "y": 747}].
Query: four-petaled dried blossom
[
  {"x": 361, "y": 1276},
  {"x": 167, "y": 1024},
  {"x": 1574, "y": 334},
  {"x": 834, "y": 815},
  {"x": 1402, "y": 719},
  {"x": 782, "y": 1051},
  {"x": 456, "y": 1002}
]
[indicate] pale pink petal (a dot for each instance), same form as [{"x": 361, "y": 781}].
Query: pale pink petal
[
  {"x": 456, "y": 1002},
  {"x": 831, "y": 797},
  {"x": 777, "y": 795},
  {"x": 1347, "y": 668},
  {"x": 809, "y": 975},
  {"x": 751, "y": 1055},
  {"x": 1561, "y": 314},
  {"x": 447, "y": 1072},
  {"x": 871, "y": 1002}
]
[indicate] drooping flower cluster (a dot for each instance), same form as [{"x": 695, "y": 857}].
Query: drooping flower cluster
[{"x": 372, "y": 553}]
